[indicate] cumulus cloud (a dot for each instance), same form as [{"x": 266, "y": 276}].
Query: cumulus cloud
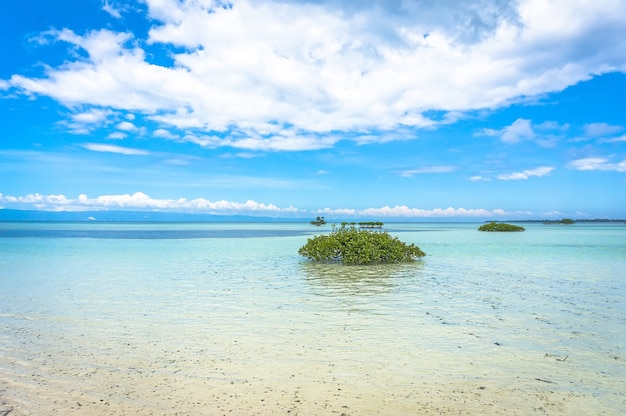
[
  {"x": 165, "y": 134},
  {"x": 520, "y": 130},
  {"x": 310, "y": 68},
  {"x": 545, "y": 134},
  {"x": 407, "y": 212},
  {"x": 126, "y": 126},
  {"x": 85, "y": 122},
  {"x": 516, "y": 176},
  {"x": 140, "y": 201},
  {"x": 598, "y": 163}
]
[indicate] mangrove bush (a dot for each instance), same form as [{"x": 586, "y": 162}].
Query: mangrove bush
[{"x": 350, "y": 245}]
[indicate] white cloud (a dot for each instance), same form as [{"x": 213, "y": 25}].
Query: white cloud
[
  {"x": 427, "y": 169},
  {"x": 93, "y": 116},
  {"x": 407, "y": 212},
  {"x": 141, "y": 201},
  {"x": 117, "y": 135},
  {"x": 110, "y": 9},
  {"x": 479, "y": 178},
  {"x": 109, "y": 148},
  {"x": 86, "y": 121},
  {"x": 164, "y": 134},
  {"x": 521, "y": 129},
  {"x": 598, "y": 163},
  {"x": 126, "y": 126},
  {"x": 545, "y": 134},
  {"x": 312, "y": 69},
  {"x": 516, "y": 176},
  {"x": 287, "y": 142}
]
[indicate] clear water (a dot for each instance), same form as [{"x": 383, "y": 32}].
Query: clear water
[{"x": 211, "y": 319}]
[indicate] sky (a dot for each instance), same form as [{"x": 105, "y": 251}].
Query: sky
[{"x": 399, "y": 109}]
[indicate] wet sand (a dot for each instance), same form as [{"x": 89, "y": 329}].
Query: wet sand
[
  {"x": 165, "y": 396},
  {"x": 248, "y": 378}
]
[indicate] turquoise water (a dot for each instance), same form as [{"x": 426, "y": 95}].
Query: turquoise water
[{"x": 226, "y": 318}]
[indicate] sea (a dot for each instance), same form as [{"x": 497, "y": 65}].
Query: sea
[{"x": 227, "y": 319}]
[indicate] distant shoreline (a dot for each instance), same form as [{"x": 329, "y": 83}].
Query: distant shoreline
[
  {"x": 13, "y": 215},
  {"x": 556, "y": 222}
]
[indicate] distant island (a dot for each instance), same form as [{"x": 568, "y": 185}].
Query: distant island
[
  {"x": 318, "y": 221},
  {"x": 588, "y": 220},
  {"x": 564, "y": 221},
  {"x": 366, "y": 224},
  {"x": 500, "y": 227}
]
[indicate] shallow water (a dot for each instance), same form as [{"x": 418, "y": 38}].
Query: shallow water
[{"x": 208, "y": 319}]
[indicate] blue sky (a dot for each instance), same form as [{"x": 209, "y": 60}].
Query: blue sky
[{"x": 294, "y": 108}]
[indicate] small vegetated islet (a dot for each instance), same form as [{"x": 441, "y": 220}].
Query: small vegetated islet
[
  {"x": 500, "y": 226},
  {"x": 318, "y": 221},
  {"x": 352, "y": 246}
]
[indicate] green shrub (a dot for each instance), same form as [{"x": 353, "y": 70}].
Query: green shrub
[
  {"x": 349, "y": 245},
  {"x": 500, "y": 226}
]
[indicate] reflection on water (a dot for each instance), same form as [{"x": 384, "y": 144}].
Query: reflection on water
[{"x": 334, "y": 279}]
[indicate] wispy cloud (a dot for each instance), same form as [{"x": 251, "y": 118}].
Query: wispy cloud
[
  {"x": 117, "y": 135},
  {"x": 110, "y": 9},
  {"x": 427, "y": 169},
  {"x": 109, "y": 148},
  {"x": 615, "y": 139},
  {"x": 595, "y": 130},
  {"x": 479, "y": 178},
  {"x": 598, "y": 163},
  {"x": 523, "y": 175}
]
